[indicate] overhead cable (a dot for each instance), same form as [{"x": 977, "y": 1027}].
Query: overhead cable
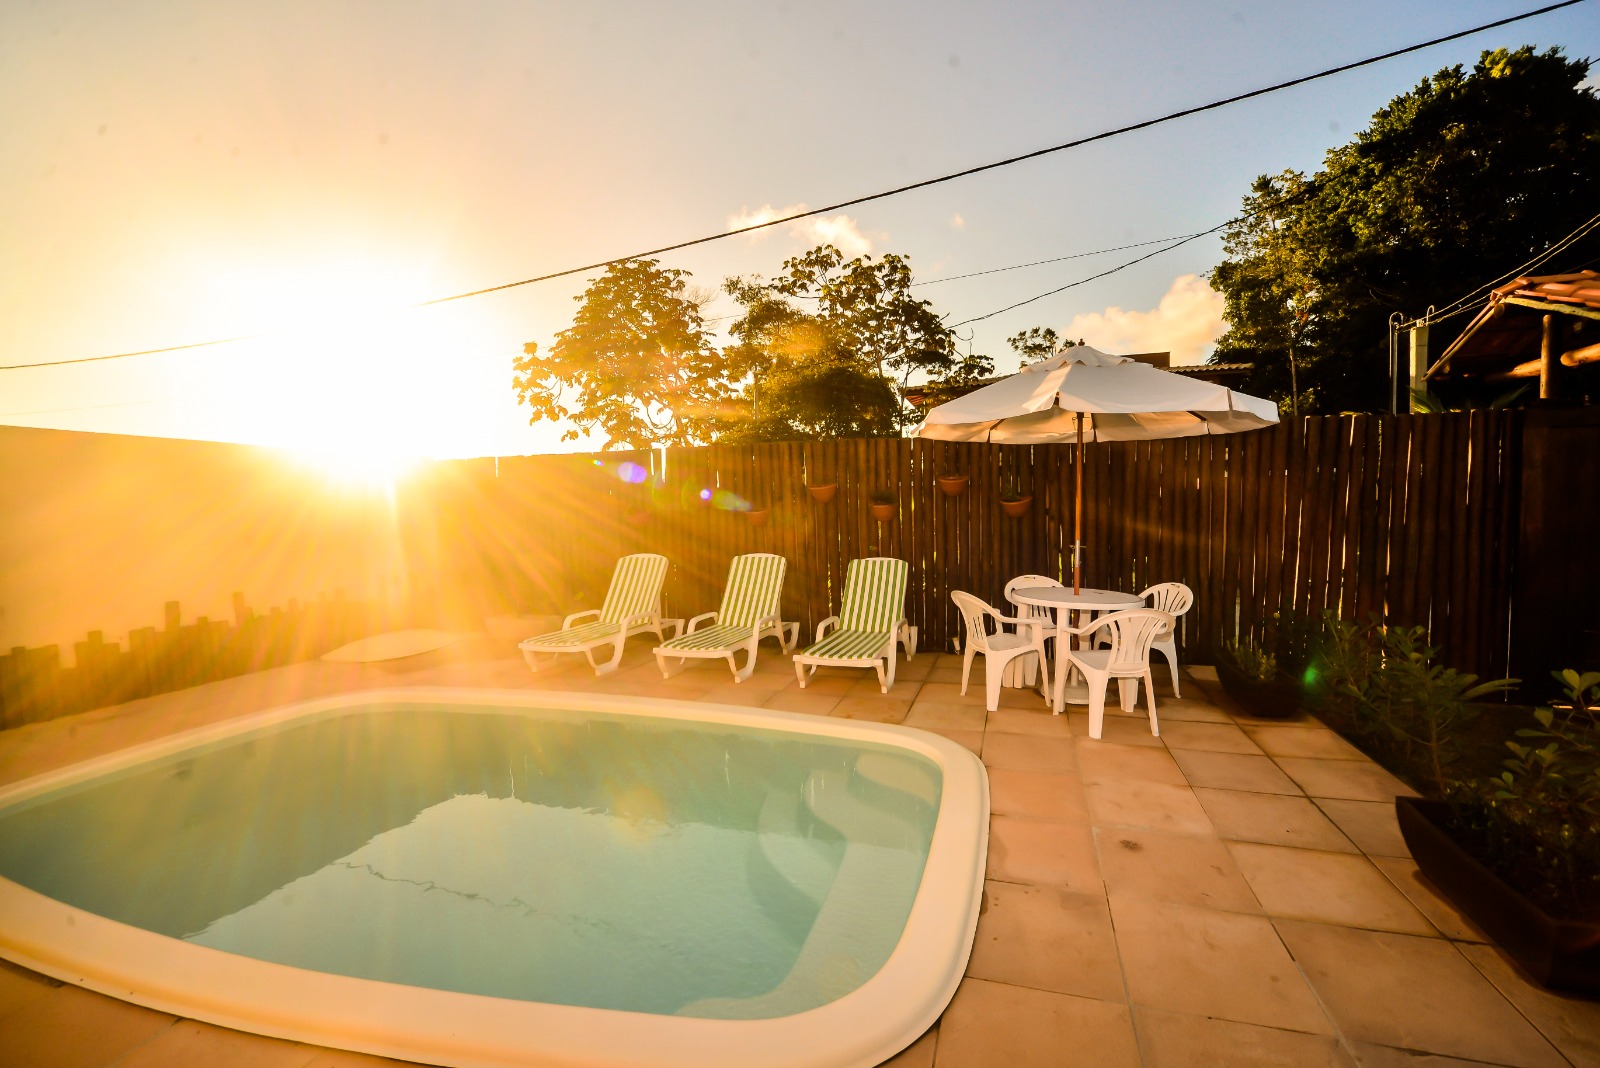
[{"x": 924, "y": 184}]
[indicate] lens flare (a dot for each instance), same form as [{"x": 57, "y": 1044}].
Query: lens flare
[
  {"x": 705, "y": 495},
  {"x": 632, "y": 473},
  {"x": 729, "y": 502}
]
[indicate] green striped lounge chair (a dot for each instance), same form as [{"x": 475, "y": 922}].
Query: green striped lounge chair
[
  {"x": 749, "y": 613},
  {"x": 633, "y": 605},
  {"x": 870, "y": 621}
]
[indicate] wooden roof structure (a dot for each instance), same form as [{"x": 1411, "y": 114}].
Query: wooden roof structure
[{"x": 1505, "y": 342}]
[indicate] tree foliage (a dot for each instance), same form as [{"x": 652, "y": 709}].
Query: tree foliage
[
  {"x": 636, "y": 363},
  {"x": 1464, "y": 178}
]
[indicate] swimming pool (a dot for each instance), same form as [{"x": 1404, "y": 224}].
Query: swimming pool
[{"x": 503, "y": 878}]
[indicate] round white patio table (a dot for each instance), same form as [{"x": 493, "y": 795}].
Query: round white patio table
[{"x": 1066, "y": 605}]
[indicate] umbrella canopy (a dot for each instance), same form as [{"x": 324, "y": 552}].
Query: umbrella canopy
[
  {"x": 1082, "y": 394},
  {"x": 1121, "y": 399}
]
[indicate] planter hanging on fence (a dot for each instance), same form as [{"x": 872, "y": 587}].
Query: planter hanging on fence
[
  {"x": 883, "y": 507},
  {"x": 952, "y": 485},
  {"x": 1016, "y": 508},
  {"x": 757, "y": 516},
  {"x": 824, "y": 493}
]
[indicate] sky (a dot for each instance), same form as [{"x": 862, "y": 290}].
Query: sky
[{"x": 302, "y": 174}]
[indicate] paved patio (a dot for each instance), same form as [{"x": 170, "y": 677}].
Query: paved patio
[{"x": 1234, "y": 892}]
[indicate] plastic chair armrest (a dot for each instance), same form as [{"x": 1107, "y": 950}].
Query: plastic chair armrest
[
  {"x": 697, "y": 620},
  {"x": 826, "y": 625},
  {"x": 566, "y": 624}
]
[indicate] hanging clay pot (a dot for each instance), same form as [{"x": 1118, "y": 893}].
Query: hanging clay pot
[
  {"x": 1018, "y": 508},
  {"x": 952, "y": 485},
  {"x": 824, "y": 493},
  {"x": 757, "y": 516}
]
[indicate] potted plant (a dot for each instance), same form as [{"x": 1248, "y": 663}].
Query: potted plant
[
  {"x": 951, "y": 483},
  {"x": 883, "y": 505},
  {"x": 1250, "y": 674},
  {"x": 822, "y": 492},
  {"x": 757, "y": 515},
  {"x": 1014, "y": 500},
  {"x": 1518, "y": 853}
]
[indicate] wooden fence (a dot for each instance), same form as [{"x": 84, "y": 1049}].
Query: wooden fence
[{"x": 1413, "y": 518}]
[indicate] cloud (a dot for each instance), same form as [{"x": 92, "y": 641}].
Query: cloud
[
  {"x": 1186, "y": 322},
  {"x": 840, "y": 231}
]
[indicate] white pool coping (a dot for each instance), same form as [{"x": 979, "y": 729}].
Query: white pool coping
[{"x": 863, "y": 1028}]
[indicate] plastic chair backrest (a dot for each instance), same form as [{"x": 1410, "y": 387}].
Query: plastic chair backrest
[
  {"x": 1133, "y": 631},
  {"x": 973, "y": 612},
  {"x": 635, "y": 587},
  {"x": 1030, "y": 611},
  {"x": 755, "y": 586},
  {"x": 874, "y": 593},
  {"x": 1173, "y": 598}
]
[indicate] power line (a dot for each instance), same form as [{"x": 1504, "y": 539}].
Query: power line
[
  {"x": 924, "y": 184},
  {"x": 1093, "y": 277},
  {"x": 1040, "y": 263},
  {"x": 1462, "y": 304}
]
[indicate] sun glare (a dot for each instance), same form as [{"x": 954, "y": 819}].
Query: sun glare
[{"x": 345, "y": 372}]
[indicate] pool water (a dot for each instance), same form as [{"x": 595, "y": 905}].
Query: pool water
[{"x": 575, "y": 858}]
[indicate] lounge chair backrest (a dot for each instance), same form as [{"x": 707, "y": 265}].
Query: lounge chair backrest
[
  {"x": 635, "y": 587},
  {"x": 1132, "y": 632},
  {"x": 755, "y": 586},
  {"x": 874, "y": 594}
]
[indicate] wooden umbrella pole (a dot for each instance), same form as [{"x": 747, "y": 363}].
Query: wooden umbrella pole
[{"x": 1077, "y": 517}]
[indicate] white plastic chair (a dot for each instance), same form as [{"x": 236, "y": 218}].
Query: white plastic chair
[
  {"x": 1031, "y": 611},
  {"x": 1173, "y": 598},
  {"x": 1126, "y": 659},
  {"x": 998, "y": 648}
]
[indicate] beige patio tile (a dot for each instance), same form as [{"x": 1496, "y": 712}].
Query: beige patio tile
[
  {"x": 1349, "y": 780},
  {"x": 1115, "y": 730},
  {"x": 917, "y": 1055},
  {"x": 1233, "y": 771},
  {"x": 1203, "y": 673},
  {"x": 737, "y": 695},
  {"x": 835, "y": 682},
  {"x": 1213, "y": 737},
  {"x": 866, "y": 684},
  {"x": 1186, "y": 869},
  {"x": 75, "y": 1028},
  {"x": 916, "y": 668},
  {"x": 1342, "y": 888},
  {"x": 989, "y": 1024},
  {"x": 950, "y": 674},
  {"x": 1276, "y": 819},
  {"x": 1413, "y": 993},
  {"x": 1026, "y": 698},
  {"x": 1202, "y": 962},
  {"x": 190, "y": 1042},
  {"x": 1370, "y": 1055},
  {"x": 1046, "y": 938},
  {"x": 1038, "y": 722},
  {"x": 1192, "y": 709},
  {"x": 972, "y": 740},
  {"x": 1369, "y": 824},
  {"x": 881, "y": 709},
  {"x": 1039, "y": 795},
  {"x": 1572, "y": 1024},
  {"x": 947, "y": 716},
  {"x": 1108, "y": 762},
  {"x": 796, "y": 700},
  {"x": 1043, "y": 854},
  {"x": 1303, "y": 742},
  {"x": 1171, "y": 1040},
  {"x": 1029, "y": 753},
  {"x": 342, "y": 1058},
  {"x": 1403, "y": 873},
  {"x": 20, "y": 989},
  {"x": 1157, "y": 806},
  {"x": 949, "y": 693}
]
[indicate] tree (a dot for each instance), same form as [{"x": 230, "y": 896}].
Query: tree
[
  {"x": 833, "y": 371},
  {"x": 1458, "y": 181},
  {"x": 1038, "y": 343},
  {"x": 638, "y": 358}
]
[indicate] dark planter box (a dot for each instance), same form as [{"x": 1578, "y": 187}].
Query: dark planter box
[
  {"x": 1275, "y": 699},
  {"x": 1561, "y": 954}
]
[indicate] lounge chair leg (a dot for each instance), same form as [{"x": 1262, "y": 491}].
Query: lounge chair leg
[
  {"x": 749, "y": 665},
  {"x": 533, "y": 660},
  {"x": 800, "y": 672},
  {"x": 610, "y": 665}
]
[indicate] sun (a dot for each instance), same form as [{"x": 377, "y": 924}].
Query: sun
[{"x": 344, "y": 369}]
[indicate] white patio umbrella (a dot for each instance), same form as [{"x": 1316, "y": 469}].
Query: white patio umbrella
[{"x": 1082, "y": 394}]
